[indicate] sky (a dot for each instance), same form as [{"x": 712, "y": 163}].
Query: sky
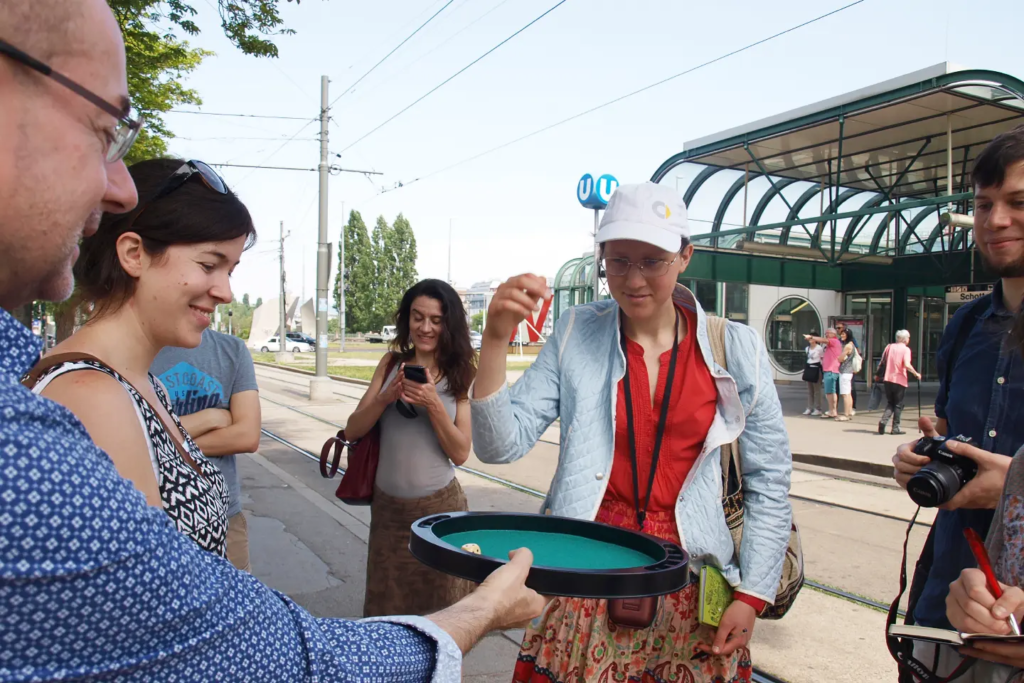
[{"x": 515, "y": 210}]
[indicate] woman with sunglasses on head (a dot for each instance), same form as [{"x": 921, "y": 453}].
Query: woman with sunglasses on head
[
  {"x": 150, "y": 279},
  {"x": 418, "y": 396},
  {"x": 644, "y": 412}
]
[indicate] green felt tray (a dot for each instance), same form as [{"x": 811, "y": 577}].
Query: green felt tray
[{"x": 572, "y": 557}]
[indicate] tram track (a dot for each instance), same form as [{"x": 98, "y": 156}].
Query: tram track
[
  {"x": 810, "y": 583},
  {"x": 541, "y": 494}
]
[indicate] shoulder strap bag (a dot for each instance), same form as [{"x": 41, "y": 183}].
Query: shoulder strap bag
[
  {"x": 357, "y": 480},
  {"x": 792, "y": 579}
]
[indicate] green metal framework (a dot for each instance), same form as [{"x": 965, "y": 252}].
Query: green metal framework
[{"x": 884, "y": 149}]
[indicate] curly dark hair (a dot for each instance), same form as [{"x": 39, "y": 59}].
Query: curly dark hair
[
  {"x": 191, "y": 214},
  {"x": 456, "y": 359}
]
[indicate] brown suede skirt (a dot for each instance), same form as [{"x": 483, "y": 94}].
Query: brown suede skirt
[{"x": 396, "y": 582}]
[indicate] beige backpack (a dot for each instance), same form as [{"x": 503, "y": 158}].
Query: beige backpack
[{"x": 792, "y": 579}]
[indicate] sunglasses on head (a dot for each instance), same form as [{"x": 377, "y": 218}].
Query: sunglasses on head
[{"x": 187, "y": 170}]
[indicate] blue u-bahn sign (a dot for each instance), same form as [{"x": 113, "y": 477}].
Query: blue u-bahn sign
[{"x": 594, "y": 194}]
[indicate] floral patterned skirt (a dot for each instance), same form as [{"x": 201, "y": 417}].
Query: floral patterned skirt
[{"x": 573, "y": 641}]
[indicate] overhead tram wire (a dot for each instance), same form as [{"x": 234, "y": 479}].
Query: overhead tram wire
[
  {"x": 393, "y": 51},
  {"x": 436, "y": 47},
  {"x": 246, "y": 116},
  {"x": 623, "y": 97},
  {"x": 456, "y": 74}
]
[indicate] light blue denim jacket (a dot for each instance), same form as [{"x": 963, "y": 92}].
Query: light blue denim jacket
[{"x": 576, "y": 378}]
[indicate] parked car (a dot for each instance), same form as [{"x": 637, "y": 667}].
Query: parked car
[
  {"x": 476, "y": 340},
  {"x": 300, "y": 337},
  {"x": 293, "y": 345}
]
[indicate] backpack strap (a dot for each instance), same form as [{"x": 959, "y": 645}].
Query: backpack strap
[{"x": 730, "y": 451}]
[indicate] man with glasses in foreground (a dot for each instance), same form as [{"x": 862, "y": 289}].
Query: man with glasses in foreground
[{"x": 95, "y": 583}]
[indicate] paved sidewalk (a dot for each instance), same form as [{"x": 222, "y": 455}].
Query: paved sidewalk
[{"x": 854, "y": 445}]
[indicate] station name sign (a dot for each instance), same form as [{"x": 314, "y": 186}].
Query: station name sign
[{"x": 961, "y": 294}]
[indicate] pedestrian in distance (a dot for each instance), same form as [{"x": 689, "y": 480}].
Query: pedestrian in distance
[
  {"x": 833, "y": 349},
  {"x": 84, "y": 550},
  {"x": 424, "y": 433},
  {"x": 813, "y": 378},
  {"x": 847, "y": 360},
  {"x": 840, "y": 328},
  {"x": 896, "y": 363},
  {"x": 617, "y": 372}
]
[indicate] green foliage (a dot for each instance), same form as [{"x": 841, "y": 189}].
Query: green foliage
[
  {"x": 477, "y": 322},
  {"x": 259, "y": 302},
  {"x": 245, "y": 299},
  {"x": 360, "y": 276},
  {"x": 379, "y": 268},
  {"x": 159, "y": 59}
]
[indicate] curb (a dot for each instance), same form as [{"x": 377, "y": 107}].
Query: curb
[{"x": 310, "y": 373}]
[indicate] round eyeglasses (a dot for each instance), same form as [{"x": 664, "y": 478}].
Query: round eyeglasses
[{"x": 649, "y": 268}]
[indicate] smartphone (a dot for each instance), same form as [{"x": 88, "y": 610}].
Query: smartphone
[{"x": 416, "y": 373}]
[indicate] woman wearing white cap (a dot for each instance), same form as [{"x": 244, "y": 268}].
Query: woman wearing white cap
[{"x": 640, "y": 448}]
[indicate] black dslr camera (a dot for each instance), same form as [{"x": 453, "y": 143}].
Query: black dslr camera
[{"x": 938, "y": 481}]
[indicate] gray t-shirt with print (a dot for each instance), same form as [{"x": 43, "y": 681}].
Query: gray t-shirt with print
[{"x": 207, "y": 377}]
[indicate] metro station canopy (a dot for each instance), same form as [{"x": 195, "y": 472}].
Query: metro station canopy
[{"x": 861, "y": 177}]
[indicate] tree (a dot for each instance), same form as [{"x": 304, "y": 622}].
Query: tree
[
  {"x": 360, "y": 276},
  {"x": 477, "y": 322},
  {"x": 245, "y": 300},
  {"x": 404, "y": 254},
  {"x": 158, "y": 58},
  {"x": 259, "y": 301},
  {"x": 383, "y": 260}
]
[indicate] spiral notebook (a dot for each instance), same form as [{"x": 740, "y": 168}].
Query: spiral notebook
[{"x": 947, "y": 637}]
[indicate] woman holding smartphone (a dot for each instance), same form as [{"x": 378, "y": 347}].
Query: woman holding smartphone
[{"x": 419, "y": 396}]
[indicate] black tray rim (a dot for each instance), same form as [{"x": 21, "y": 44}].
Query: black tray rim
[{"x": 664, "y": 576}]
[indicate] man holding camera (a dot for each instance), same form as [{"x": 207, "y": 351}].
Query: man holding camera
[{"x": 981, "y": 386}]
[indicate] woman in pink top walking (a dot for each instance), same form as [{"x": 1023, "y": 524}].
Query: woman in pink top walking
[{"x": 897, "y": 364}]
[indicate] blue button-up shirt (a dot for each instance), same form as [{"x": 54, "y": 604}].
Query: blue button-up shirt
[
  {"x": 96, "y": 584},
  {"x": 983, "y": 403}
]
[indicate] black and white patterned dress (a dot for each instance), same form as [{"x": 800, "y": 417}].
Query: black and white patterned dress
[{"x": 196, "y": 502}]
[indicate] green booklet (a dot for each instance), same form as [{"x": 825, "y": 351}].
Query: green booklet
[{"x": 715, "y": 596}]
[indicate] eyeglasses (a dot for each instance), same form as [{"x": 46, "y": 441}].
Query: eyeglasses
[
  {"x": 129, "y": 120},
  {"x": 618, "y": 267}
]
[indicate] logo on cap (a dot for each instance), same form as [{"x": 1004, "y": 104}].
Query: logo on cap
[{"x": 661, "y": 210}]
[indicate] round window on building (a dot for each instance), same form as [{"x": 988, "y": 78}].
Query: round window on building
[{"x": 791, "y": 319}]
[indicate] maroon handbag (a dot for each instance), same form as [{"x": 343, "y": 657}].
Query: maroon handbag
[{"x": 356, "y": 486}]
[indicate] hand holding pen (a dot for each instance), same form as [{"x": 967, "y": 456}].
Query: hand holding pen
[{"x": 972, "y": 606}]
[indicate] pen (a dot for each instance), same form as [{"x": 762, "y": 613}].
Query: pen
[{"x": 981, "y": 555}]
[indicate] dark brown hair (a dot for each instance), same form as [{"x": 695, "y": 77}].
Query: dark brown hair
[
  {"x": 456, "y": 359},
  {"x": 191, "y": 214},
  {"x": 1004, "y": 151}
]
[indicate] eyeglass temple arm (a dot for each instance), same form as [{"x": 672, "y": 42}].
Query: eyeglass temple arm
[{"x": 47, "y": 70}]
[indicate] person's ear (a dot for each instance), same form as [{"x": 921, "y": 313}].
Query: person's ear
[
  {"x": 131, "y": 254},
  {"x": 684, "y": 258}
]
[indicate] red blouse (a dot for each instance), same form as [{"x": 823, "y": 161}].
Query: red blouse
[{"x": 691, "y": 412}]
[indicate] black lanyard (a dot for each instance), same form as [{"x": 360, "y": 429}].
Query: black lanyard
[{"x": 641, "y": 514}]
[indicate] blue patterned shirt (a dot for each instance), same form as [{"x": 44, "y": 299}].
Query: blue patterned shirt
[{"x": 96, "y": 584}]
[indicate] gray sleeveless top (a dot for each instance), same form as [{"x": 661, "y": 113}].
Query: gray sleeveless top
[{"x": 412, "y": 462}]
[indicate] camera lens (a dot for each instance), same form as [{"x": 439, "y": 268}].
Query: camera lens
[{"x": 934, "y": 484}]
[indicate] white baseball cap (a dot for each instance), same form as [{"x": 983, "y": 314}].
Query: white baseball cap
[{"x": 647, "y": 212}]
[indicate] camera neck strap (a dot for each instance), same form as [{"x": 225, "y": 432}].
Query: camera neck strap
[
  {"x": 666, "y": 399},
  {"x": 904, "y": 653}
]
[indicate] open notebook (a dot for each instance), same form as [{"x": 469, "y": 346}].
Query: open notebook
[{"x": 944, "y": 636}]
